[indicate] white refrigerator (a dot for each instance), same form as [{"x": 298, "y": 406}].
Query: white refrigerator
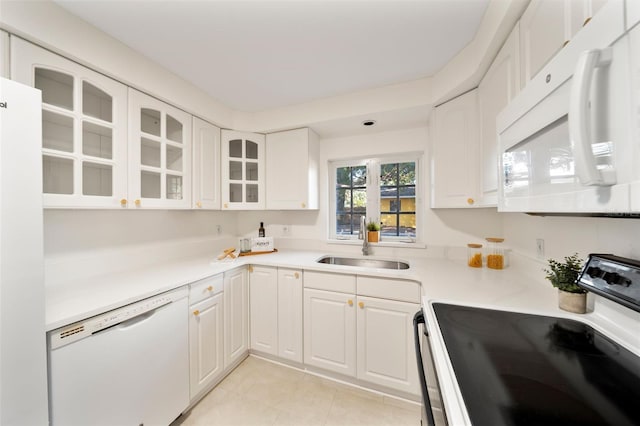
[{"x": 23, "y": 357}]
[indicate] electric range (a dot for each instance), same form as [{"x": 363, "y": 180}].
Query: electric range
[{"x": 525, "y": 368}]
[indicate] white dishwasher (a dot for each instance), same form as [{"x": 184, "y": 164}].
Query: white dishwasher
[{"x": 129, "y": 366}]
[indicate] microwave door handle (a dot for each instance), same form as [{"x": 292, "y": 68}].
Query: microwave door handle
[{"x": 579, "y": 118}]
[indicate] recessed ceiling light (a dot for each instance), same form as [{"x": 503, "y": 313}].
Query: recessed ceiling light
[{"x": 369, "y": 122}]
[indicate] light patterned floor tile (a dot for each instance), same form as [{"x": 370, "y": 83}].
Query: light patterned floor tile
[{"x": 262, "y": 393}]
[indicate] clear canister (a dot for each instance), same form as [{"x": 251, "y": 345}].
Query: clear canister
[
  {"x": 495, "y": 253},
  {"x": 474, "y": 255}
]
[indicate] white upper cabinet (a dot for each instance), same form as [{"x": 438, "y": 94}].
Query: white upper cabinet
[
  {"x": 497, "y": 88},
  {"x": 454, "y": 153},
  {"x": 84, "y": 122},
  {"x": 159, "y": 154},
  {"x": 546, "y": 26},
  {"x": 292, "y": 170},
  {"x": 206, "y": 165},
  {"x": 243, "y": 170},
  {"x": 4, "y": 54},
  {"x": 633, "y": 13}
]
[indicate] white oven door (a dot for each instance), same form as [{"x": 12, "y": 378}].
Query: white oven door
[{"x": 571, "y": 153}]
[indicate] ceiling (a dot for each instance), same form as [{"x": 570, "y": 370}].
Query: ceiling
[{"x": 262, "y": 54}]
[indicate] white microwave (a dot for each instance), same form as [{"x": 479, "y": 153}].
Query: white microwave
[{"x": 569, "y": 142}]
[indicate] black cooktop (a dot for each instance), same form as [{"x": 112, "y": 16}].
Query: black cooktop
[{"x": 522, "y": 369}]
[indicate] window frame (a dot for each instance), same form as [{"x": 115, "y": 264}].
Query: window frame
[{"x": 373, "y": 203}]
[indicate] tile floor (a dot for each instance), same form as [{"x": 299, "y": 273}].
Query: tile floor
[{"x": 260, "y": 392}]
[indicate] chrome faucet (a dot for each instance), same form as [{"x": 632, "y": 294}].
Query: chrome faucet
[{"x": 362, "y": 234}]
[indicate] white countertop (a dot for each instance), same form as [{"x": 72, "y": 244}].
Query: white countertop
[{"x": 77, "y": 299}]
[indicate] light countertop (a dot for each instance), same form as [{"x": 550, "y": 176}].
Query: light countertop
[{"x": 77, "y": 299}]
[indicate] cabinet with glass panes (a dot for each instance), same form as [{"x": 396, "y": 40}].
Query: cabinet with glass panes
[
  {"x": 84, "y": 122},
  {"x": 243, "y": 170},
  {"x": 159, "y": 153}
]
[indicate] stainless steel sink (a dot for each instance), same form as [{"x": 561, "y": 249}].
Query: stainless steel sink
[{"x": 364, "y": 263}]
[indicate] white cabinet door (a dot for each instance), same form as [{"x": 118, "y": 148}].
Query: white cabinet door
[
  {"x": 206, "y": 340},
  {"x": 292, "y": 170},
  {"x": 236, "y": 341},
  {"x": 633, "y": 13},
  {"x": 243, "y": 170},
  {"x": 546, "y": 26},
  {"x": 454, "y": 153},
  {"x": 263, "y": 309},
  {"x": 290, "y": 314},
  {"x": 386, "y": 354},
  {"x": 4, "y": 54},
  {"x": 330, "y": 331},
  {"x": 542, "y": 34},
  {"x": 499, "y": 85},
  {"x": 84, "y": 129},
  {"x": 159, "y": 154},
  {"x": 206, "y": 165}
]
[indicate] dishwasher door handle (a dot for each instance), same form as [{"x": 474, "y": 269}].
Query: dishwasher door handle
[
  {"x": 418, "y": 319},
  {"x": 131, "y": 322}
]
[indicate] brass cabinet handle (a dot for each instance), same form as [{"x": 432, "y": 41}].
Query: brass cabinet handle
[
  {"x": 210, "y": 288},
  {"x": 350, "y": 302},
  {"x": 470, "y": 201},
  {"x": 196, "y": 312},
  {"x": 123, "y": 202},
  {"x": 226, "y": 206},
  {"x": 297, "y": 275},
  {"x": 361, "y": 304},
  {"x": 304, "y": 205},
  {"x": 199, "y": 204},
  {"x": 137, "y": 203},
  {"x": 250, "y": 268}
]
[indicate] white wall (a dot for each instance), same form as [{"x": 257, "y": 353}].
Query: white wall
[
  {"x": 564, "y": 236},
  {"x": 449, "y": 227}
]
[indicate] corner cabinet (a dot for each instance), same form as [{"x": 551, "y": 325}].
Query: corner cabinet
[
  {"x": 294, "y": 186},
  {"x": 243, "y": 170},
  {"x": 159, "y": 154},
  {"x": 263, "y": 308},
  {"x": 206, "y": 165},
  {"x": 498, "y": 87},
  {"x": 454, "y": 153},
  {"x": 236, "y": 314},
  {"x": 84, "y": 126}
]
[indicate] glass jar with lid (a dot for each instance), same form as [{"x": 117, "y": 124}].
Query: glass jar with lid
[
  {"x": 495, "y": 253},
  {"x": 474, "y": 255}
]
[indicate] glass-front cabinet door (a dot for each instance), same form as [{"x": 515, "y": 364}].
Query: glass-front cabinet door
[
  {"x": 159, "y": 154},
  {"x": 84, "y": 121},
  {"x": 243, "y": 170}
]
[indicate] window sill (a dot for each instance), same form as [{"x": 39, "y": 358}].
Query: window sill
[{"x": 402, "y": 244}]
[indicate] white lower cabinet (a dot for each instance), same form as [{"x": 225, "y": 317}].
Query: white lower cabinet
[
  {"x": 236, "y": 330},
  {"x": 263, "y": 308},
  {"x": 290, "y": 314},
  {"x": 364, "y": 335},
  {"x": 275, "y": 308},
  {"x": 206, "y": 333},
  {"x": 386, "y": 354},
  {"x": 330, "y": 331}
]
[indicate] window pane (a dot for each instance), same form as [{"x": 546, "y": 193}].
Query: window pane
[
  {"x": 359, "y": 175},
  {"x": 57, "y": 88},
  {"x": 389, "y": 174},
  {"x": 150, "y": 121},
  {"x": 174, "y": 129},
  {"x": 343, "y": 176},
  {"x": 398, "y": 199},
  {"x": 96, "y": 103}
]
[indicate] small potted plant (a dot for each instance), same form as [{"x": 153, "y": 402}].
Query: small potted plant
[
  {"x": 373, "y": 232},
  {"x": 563, "y": 276}
]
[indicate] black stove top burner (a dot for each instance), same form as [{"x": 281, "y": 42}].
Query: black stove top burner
[{"x": 522, "y": 369}]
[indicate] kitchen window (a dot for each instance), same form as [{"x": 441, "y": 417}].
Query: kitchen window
[{"x": 383, "y": 190}]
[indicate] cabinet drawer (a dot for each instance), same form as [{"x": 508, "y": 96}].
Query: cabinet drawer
[
  {"x": 342, "y": 283},
  {"x": 200, "y": 290},
  {"x": 405, "y": 291}
]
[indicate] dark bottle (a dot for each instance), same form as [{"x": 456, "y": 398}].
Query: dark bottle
[{"x": 261, "y": 230}]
